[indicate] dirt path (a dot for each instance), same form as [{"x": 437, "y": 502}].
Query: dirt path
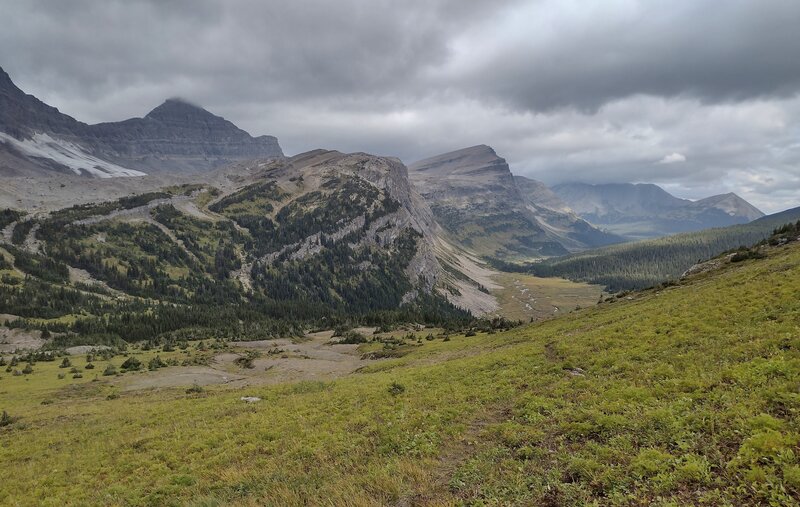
[{"x": 452, "y": 456}]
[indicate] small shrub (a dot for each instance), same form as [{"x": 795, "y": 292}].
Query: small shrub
[
  {"x": 352, "y": 337},
  {"x": 131, "y": 364},
  {"x": 195, "y": 389},
  {"x": 27, "y": 370},
  {"x": 110, "y": 370},
  {"x": 693, "y": 469},
  {"x": 650, "y": 462},
  {"x": 77, "y": 375},
  {"x": 746, "y": 255},
  {"x": 89, "y": 366},
  {"x": 156, "y": 363},
  {"x": 396, "y": 389},
  {"x": 6, "y": 420},
  {"x": 66, "y": 363},
  {"x": 246, "y": 361},
  {"x": 791, "y": 477}
]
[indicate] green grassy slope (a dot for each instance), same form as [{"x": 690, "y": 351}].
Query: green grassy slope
[
  {"x": 690, "y": 395},
  {"x": 646, "y": 263}
]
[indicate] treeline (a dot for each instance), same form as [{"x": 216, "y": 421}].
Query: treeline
[
  {"x": 41, "y": 266},
  {"x": 8, "y": 216},
  {"x": 57, "y": 220},
  {"x": 646, "y": 263}
]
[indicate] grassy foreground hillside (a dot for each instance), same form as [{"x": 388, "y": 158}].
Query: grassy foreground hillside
[{"x": 690, "y": 395}]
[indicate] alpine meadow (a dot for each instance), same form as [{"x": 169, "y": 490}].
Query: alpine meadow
[{"x": 515, "y": 253}]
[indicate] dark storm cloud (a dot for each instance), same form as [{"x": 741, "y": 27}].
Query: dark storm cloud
[
  {"x": 584, "y": 55},
  {"x": 699, "y": 95},
  {"x": 244, "y": 51}
]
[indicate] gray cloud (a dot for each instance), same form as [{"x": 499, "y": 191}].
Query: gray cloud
[
  {"x": 585, "y": 54},
  {"x": 565, "y": 90}
]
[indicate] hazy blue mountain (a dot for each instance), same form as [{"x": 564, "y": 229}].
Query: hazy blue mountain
[{"x": 646, "y": 210}]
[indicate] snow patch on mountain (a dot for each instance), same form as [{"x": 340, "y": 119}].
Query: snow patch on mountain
[{"x": 68, "y": 154}]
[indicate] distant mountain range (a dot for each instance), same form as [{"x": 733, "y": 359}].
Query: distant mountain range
[
  {"x": 639, "y": 211},
  {"x": 478, "y": 204},
  {"x": 36, "y": 139}
]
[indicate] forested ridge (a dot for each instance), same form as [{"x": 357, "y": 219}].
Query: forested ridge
[
  {"x": 268, "y": 265},
  {"x": 646, "y": 263}
]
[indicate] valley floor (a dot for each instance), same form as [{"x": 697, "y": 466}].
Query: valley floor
[
  {"x": 686, "y": 395},
  {"x": 526, "y": 297}
]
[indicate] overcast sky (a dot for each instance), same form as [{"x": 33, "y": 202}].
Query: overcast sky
[{"x": 700, "y": 96}]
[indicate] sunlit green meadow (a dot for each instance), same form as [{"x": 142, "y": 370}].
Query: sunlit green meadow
[{"x": 687, "y": 395}]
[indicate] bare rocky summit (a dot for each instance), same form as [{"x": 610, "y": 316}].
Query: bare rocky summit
[{"x": 477, "y": 200}]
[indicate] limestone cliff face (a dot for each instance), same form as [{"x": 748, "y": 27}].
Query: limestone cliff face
[
  {"x": 474, "y": 198},
  {"x": 558, "y": 219},
  {"x": 486, "y": 209}
]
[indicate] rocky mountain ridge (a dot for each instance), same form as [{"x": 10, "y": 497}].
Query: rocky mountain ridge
[
  {"x": 345, "y": 232},
  {"x": 481, "y": 205},
  {"x": 37, "y": 139}
]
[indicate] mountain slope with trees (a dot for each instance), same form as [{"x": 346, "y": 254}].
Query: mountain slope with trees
[
  {"x": 646, "y": 263},
  {"x": 318, "y": 239}
]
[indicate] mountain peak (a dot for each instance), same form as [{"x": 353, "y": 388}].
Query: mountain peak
[
  {"x": 4, "y": 78},
  {"x": 731, "y": 204},
  {"x": 475, "y": 159},
  {"x": 6, "y": 84},
  {"x": 178, "y": 108},
  {"x": 175, "y": 136}
]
